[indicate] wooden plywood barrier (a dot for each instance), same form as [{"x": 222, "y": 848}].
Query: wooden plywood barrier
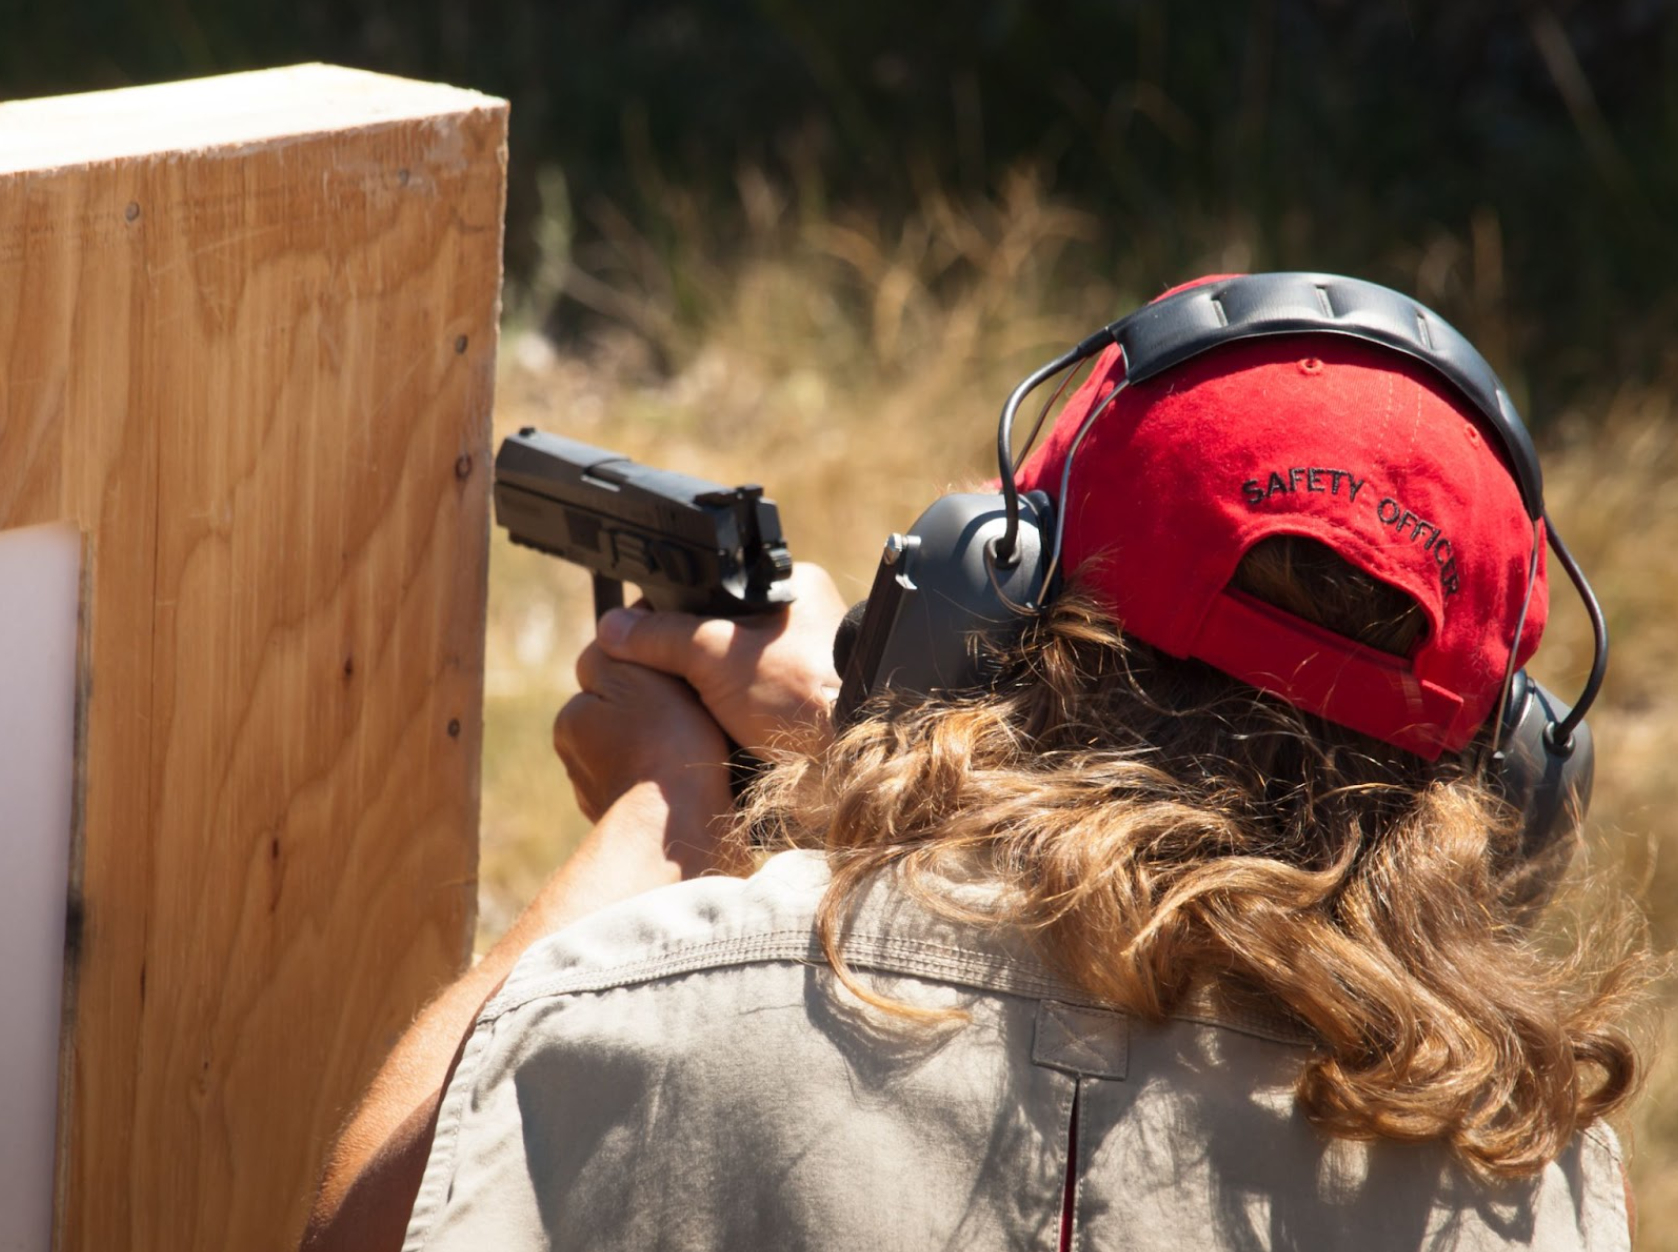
[{"x": 247, "y": 336}]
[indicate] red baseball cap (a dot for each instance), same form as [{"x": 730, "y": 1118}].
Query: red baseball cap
[{"x": 1356, "y": 446}]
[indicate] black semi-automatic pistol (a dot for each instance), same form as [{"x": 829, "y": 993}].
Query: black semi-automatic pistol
[{"x": 689, "y": 545}]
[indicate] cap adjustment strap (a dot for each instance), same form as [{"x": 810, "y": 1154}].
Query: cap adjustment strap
[{"x": 1348, "y": 683}]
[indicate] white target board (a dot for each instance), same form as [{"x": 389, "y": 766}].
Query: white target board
[{"x": 40, "y": 580}]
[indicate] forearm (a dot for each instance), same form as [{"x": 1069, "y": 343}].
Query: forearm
[{"x": 654, "y": 834}]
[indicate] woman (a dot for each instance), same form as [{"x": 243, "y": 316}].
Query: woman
[{"x": 1206, "y": 930}]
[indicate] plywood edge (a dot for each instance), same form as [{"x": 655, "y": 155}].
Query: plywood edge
[{"x": 228, "y": 114}]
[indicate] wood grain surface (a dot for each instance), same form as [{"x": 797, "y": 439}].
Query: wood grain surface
[{"x": 254, "y": 363}]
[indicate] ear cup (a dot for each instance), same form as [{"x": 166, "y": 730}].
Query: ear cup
[
  {"x": 940, "y": 601},
  {"x": 1548, "y": 785}
]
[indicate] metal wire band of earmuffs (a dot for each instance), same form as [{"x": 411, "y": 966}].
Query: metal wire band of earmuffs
[
  {"x": 1052, "y": 565},
  {"x": 1457, "y": 362},
  {"x": 1560, "y": 736},
  {"x": 1514, "y": 648}
]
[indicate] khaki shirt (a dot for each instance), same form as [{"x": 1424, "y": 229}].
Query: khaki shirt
[{"x": 682, "y": 1072}]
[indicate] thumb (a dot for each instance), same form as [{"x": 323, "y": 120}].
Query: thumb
[{"x": 663, "y": 641}]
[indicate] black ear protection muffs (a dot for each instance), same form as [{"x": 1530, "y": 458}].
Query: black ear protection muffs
[{"x": 974, "y": 568}]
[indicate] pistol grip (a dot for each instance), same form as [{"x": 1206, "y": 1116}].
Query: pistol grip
[{"x": 608, "y": 594}]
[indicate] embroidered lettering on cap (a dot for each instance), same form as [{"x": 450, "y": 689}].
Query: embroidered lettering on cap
[
  {"x": 1447, "y": 567},
  {"x": 1410, "y": 525},
  {"x": 1405, "y": 523},
  {"x": 1297, "y": 478}
]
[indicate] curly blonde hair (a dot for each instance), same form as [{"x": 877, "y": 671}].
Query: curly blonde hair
[{"x": 1159, "y": 827}]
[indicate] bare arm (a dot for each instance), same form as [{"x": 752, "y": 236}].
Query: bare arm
[
  {"x": 657, "y": 830},
  {"x": 646, "y": 761}
]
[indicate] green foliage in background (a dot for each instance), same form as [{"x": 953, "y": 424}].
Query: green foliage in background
[{"x": 1509, "y": 161}]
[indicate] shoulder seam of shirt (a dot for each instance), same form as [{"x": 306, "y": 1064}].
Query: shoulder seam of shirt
[
  {"x": 882, "y": 953},
  {"x": 1605, "y": 1138}
]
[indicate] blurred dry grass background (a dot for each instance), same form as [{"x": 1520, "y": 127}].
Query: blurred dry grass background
[{"x": 856, "y": 369}]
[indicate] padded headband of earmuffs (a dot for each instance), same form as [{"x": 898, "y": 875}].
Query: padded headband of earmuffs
[{"x": 1164, "y": 334}]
